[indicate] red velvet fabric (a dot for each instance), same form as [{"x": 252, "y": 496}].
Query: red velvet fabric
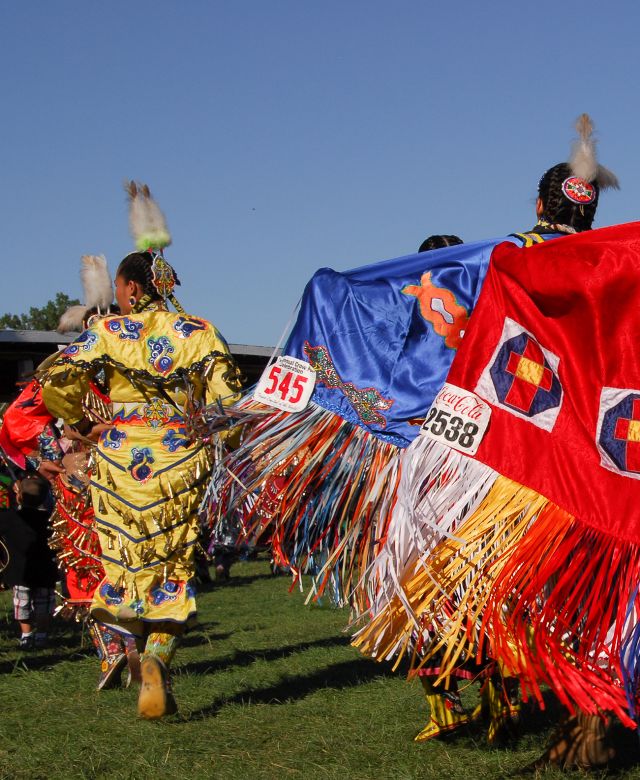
[{"x": 579, "y": 297}]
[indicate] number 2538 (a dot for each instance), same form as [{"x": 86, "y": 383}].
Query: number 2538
[{"x": 453, "y": 428}]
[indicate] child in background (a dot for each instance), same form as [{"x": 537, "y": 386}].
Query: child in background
[{"x": 31, "y": 570}]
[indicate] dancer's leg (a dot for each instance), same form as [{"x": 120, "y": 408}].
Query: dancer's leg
[
  {"x": 156, "y": 698},
  {"x": 446, "y": 712},
  {"x": 111, "y": 652}
]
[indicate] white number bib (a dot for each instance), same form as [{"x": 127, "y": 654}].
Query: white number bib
[
  {"x": 286, "y": 384},
  {"x": 457, "y": 418}
]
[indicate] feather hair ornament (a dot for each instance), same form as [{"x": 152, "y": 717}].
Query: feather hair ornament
[
  {"x": 72, "y": 320},
  {"x": 98, "y": 293},
  {"x": 96, "y": 282},
  {"x": 584, "y": 161},
  {"x": 146, "y": 221}
]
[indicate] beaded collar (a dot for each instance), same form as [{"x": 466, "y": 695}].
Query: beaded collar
[{"x": 554, "y": 227}]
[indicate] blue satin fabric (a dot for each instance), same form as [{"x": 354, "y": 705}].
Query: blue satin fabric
[{"x": 377, "y": 338}]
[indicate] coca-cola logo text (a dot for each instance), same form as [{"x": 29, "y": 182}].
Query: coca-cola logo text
[{"x": 468, "y": 405}]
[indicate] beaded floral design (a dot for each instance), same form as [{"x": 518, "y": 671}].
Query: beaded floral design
[
  {"x": 125, "y": 328},
  {"x": 110, "y": 595},
  {"x": 140, "y": 466},
  {"x": 160, "y": 349},
  {"x": 84, "y": 342},
  {"x": 174, "y": 439},
  {"x": 162, "y": 276},
  {"x": 578, "y": 190},
  {"x": 156, "y": 413},
  {"x": 185, "y": 326},
  {"x": 367, "y": 402},
  {"x": 113, "y": 439},
  {"x": 168, "y": 591}
]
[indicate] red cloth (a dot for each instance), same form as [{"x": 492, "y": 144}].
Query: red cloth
[
  {"x": 77, "y": 544},
  {"x": 580, "y": 298},
  {"x": 78, "y": 547},
  {"x": 23, "y": 422},
  {"x": 81, "y": 589}
]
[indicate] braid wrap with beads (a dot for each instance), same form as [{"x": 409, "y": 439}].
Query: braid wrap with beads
[
  {"x": 558, "y": 209},
  {"x": 137, "y": 267}
]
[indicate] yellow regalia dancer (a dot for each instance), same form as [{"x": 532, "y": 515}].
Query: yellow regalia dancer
[{"x": 149, "y": 475}]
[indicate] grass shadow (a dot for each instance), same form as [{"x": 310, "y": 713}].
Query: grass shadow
[
  {"x": 241, "y": 658},
  {"x": 535, "y": 719},
  {"x": 336, "y": 677},
  {"x": 627, "y": 747},
  {"x": 239, "y": 581},
  {"x": 197, "y": 638},
  {"x": 34, "y": 663}
]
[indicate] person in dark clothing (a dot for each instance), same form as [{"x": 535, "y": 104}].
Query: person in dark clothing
[{"x": 31, "y": 570}]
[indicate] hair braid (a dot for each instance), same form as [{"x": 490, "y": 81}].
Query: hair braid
[
  {"x": 138, "y": 267},
  {"x": 558, "y": 209}
]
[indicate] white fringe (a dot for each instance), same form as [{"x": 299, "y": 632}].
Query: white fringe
[{"x": 428, "y": 509}]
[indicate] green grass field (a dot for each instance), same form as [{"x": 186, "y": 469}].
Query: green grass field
[{"x": 267, "y": 688}]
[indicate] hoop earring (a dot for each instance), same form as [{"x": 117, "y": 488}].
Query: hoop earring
[{"x": 132, "y": 301}]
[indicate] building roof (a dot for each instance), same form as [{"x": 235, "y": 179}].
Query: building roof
[{"x": 35, "y": 337}]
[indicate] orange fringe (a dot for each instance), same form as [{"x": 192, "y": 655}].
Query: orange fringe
[{"x": 528, "y": 585}]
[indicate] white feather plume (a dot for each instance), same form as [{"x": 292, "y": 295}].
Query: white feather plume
[
  {"x": 146, "y": 221},
  {"x": 607, "y": 179},
  {"x": 584, "y": 160},
  {"x": 98, "y": 293},
  {"x": 72, "y": 320},
  {"x": 96, "y": 282}
]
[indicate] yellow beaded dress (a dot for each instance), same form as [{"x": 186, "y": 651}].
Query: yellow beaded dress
[{"x": 149, "y": 477}]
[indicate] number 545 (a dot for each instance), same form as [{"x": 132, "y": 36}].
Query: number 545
[{"x": 284, "y": 384}]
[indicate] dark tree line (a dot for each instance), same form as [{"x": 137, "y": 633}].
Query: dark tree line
[{"x": 39, "y": 318}]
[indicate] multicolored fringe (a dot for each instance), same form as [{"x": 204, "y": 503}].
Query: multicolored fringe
[
  {"x": 75, "y": 542},
  {"x": 424, "y": 514},
  {"x": 496, "y": 571},
  {"x": 570, "y": 598},
  {"x": 321, "y": 488}
]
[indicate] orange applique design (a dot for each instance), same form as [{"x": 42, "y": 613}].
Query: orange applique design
[{"x": 439, "y": 307}]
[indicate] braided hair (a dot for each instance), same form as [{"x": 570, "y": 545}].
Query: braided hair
[
  {"x": 137, "y": 267},
  {"x": 557, "y": 208},
  {"x": 439, "y": 242}
]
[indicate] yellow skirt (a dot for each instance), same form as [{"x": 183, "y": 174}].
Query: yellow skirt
[{"x": 146, "y": 487}]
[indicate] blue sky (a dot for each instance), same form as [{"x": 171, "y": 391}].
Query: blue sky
[{"x": 280, "y": 136}]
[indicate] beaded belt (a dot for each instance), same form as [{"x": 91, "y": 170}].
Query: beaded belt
[{"x": 155, "y": 413}]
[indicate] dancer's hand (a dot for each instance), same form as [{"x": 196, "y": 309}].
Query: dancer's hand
[
  {"x": 49, "y": 469},
  {"x": 90, "y": 435},
  {"x": 97, "y": 431}
]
